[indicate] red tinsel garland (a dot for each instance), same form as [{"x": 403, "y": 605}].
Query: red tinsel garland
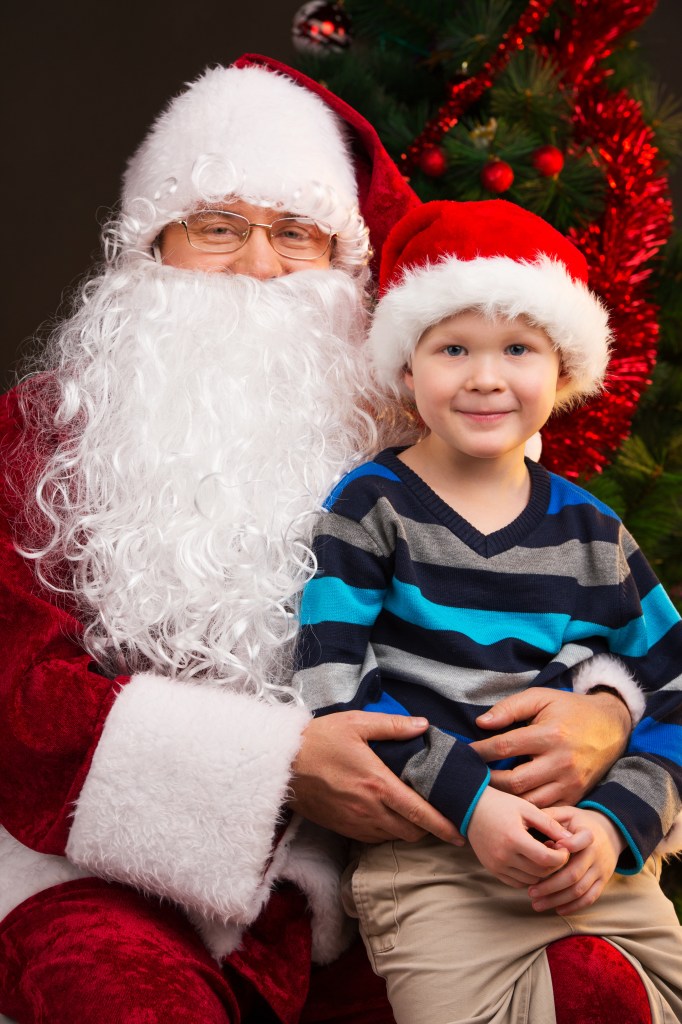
[
  {"x": 635, "y": 224},
  {"x": 620, "y": 249},
  {"x": 463, "y": 94},
  {"x": 583, "y": 42}
]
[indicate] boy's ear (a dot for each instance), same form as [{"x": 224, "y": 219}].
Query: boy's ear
[{"x": 408, "y": 378}]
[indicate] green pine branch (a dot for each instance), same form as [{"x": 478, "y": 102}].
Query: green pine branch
[{"x": 528, "y": 92}]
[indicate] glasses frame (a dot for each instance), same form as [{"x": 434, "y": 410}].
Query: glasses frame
[{"x": 267, "y": 228}]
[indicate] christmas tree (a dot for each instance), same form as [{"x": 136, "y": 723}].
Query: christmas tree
[{"x": 549, "y": 104}]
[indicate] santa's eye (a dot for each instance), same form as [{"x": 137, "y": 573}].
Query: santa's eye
[
  {"x": 294, "y": 230},
  {"x": 219, "y": 229},
  {"x": 209, "y": 229}
]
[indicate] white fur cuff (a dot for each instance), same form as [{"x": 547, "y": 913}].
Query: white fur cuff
[
  {"x": 184, "y": 794},
  {"x": 314, "y": 862},
  {"x": 312, "y": 858},
  {"x": 605, "y": 670},
  {"x": 672, "y": 842}
]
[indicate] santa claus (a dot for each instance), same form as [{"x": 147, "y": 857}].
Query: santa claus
[{"x": 164, "y": 468}]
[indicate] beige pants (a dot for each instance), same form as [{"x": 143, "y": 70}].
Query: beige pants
[{"x": 455, "y": 945}]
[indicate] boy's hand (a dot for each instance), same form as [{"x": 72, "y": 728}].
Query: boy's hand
[
  {"x": 595, "y": 847},
  {"x": 498, "y": 833}
]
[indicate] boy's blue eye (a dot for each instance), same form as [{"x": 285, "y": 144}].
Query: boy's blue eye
[
  {"x": 517, "y": 350},
  {"x": 454, "y": 350}
]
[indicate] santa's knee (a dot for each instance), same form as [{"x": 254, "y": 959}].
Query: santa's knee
[
  {"x": 592, "y": 981},
  {"x": 96, "y": 953}
]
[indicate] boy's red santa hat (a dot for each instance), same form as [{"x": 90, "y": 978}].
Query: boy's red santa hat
[
  {"x": 268, "y": 134},
  {"x": 497, "y": 258}
]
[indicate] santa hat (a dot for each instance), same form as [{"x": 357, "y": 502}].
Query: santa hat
[
  {"x": 270, "y": 135},
  {"x": 497, "y": 258}
]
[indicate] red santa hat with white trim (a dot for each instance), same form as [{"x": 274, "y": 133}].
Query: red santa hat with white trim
[
  {"x": 499, "y": 259},
  {"x": 268, "y": 134}
]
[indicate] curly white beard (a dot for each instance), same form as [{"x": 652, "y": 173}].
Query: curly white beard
[{"x": 204, "y": 418}]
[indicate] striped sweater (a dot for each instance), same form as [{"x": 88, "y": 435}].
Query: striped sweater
[{"x": 413, "y": 611}]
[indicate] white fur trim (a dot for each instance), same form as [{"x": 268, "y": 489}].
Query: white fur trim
[
  {"x": 25, "y": 872},
  {"x": 672, "y": 843},
  {"x": 605, "y": 670},
  {"x": 247, "y": 132},
  {"x": 314, "y": 863},
  {"x": 184, "y": 794},
  {"x": 222, "y": 937},
  {"x": 313, "y": 859},
  {"x": 543, "y": 290}
]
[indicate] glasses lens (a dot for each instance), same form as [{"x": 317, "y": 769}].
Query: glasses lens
[
  {"x": 215, "y": 231},
  {"x": 299, "y": 238}
]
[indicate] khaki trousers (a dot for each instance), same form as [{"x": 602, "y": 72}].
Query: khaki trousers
[{"x": 456, "y": 945}]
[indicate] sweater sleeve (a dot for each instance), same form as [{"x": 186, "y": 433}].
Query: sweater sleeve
[
  {"x": 642, "y": 792},
  {"x": 337, "y": 669}
]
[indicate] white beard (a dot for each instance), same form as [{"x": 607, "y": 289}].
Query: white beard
[{"x": 205, "y": 417}]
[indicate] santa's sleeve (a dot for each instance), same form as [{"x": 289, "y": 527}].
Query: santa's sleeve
[
  {"x": 173, "y": 787},
  {"x": 183, "y": 794}
]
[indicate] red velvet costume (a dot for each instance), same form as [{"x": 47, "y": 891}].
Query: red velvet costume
[{"x": 93, "y": 818}]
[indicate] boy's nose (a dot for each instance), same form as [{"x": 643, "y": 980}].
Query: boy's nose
[{"x": 485, "y": 376}]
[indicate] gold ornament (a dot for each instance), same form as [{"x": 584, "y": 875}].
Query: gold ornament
[{"x": 483, "y": 134}]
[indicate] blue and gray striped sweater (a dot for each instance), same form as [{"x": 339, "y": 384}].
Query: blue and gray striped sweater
[{"x": 413, "y": 611}]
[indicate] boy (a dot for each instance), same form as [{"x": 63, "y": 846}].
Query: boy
[{"x": 454, "y": 572}]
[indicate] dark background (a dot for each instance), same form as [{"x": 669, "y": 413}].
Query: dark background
[{"x": 83, "y": 82}]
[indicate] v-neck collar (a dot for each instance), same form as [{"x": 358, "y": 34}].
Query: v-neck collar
[{"x": 483, "y": 544}]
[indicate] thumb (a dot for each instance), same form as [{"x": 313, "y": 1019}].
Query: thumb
[
  {"x": 579, "y": 837},
  {"x": 577, "y": 842},
  {"x": 518, "y": 707},
  {"x": 548, "y": 826}
]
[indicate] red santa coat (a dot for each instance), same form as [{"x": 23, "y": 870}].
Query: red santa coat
[{"x": 174, "y": 788}]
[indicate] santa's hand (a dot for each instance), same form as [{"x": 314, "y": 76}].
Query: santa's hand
[
  {"x": 571, "y": 738},
  {"x": 595, "y": 847},
  {"x": 339, "y": 782},
  {"x": 499, "y": 836}
]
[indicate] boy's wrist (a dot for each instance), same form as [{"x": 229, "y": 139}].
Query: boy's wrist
[{"x": 610, "y": 829}]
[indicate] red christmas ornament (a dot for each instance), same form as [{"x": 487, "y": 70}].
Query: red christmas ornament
[
  {"x": 432, "y": 161},
  {"x": 548, "y": 161},
  {"x": 497, "y": 176},
  {"x": 321, "y": 28}
]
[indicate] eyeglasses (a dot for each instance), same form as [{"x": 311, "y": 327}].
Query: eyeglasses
[{"x": 296, "y": 238}]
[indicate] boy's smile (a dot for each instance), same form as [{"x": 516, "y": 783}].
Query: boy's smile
[{"x": 483, "y": 386}]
